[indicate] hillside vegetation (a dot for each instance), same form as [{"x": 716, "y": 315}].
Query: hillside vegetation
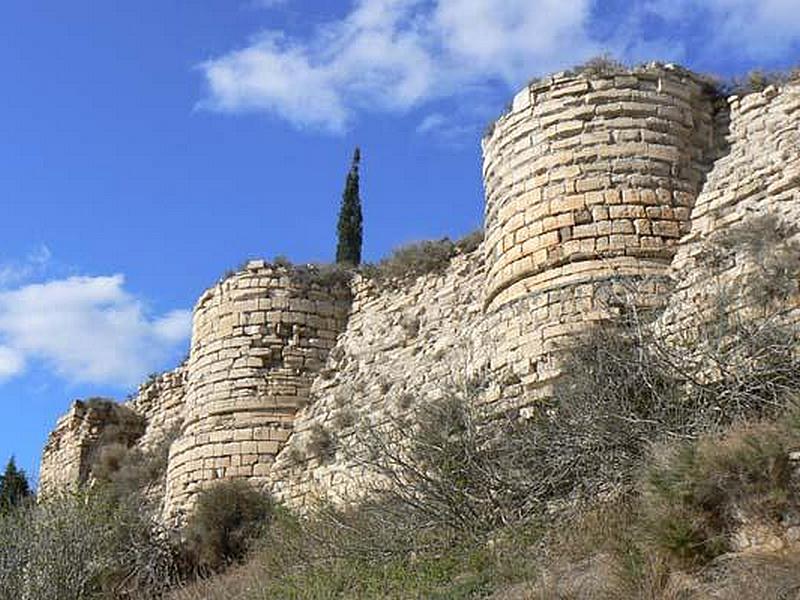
[{"x": 663, "y": 466}]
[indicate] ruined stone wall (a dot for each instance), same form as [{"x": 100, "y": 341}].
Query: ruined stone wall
[
  {"x": 402, "y": 346},
  {"x": 758, "y": 175},
  {"x": 72, "y": 447},
  {"x": 62, "y": 458},
  {"x": 593, "y": 173},
  {"x": 592, "y": 182},
  {"x": 259, "y": 339},
  {"x": 161, "y": 401}
]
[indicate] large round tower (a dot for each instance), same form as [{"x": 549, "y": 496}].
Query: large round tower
[{"x": 590, "y": 178}]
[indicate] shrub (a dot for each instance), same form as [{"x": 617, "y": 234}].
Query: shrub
[
  {"x": 412, "y": 261},
  {"x": 470, "y": 242},
  {"x": 120, "y": 424},
  {"x": 769, "y": 251},
  {"x": 698, "y": 493},
  {"x": 323, "y": 275},
  {"x": 758, "y": 80},
  {"x": 131, "y": 471},
  {"x": 321, "y": 443},
  {"x": 228, "y": 516},
  {"x": 451, "y": 464},
  {"x": 603, "y": 65},
  {"x": 83, "y": 545}
]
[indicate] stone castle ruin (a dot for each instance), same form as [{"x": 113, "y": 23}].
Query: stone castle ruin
[{"x": 592, "y": 180}]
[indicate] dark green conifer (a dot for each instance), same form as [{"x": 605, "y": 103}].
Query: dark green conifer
[
  {"x": 14, "y": 488},
  {"x": 350, "y": 227}
]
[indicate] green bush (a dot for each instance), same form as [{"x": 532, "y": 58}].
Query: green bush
[
  {"x": 758, "y": 80},
  {"x": 412, "y": 261},
  {"x": 228, "y": 516},
  {"x": 603, "y": 65},
  {"x": 697, "y": 493}
]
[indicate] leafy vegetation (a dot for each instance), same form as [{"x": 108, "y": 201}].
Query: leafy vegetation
[
  {"x": 423, "y": 258},
  {"x": 128, "y": 471},
  {"x": 686, "y": 439},
  {"x": 83, "y": 545},
  {"x": 636, "y": 479}
]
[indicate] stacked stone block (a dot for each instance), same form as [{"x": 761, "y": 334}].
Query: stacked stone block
[
  {"x": 402, "y": 346},
  {"x": 73, "y": 445},
  {"x": 161, "y": 402},
  {"x": 259, "y": 339},
  {"x": 592, "y": 186}
]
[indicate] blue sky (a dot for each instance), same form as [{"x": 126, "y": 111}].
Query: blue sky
[{"x": 146, "y": 147}]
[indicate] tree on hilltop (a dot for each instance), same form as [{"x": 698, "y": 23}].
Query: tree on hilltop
[
  {"x": 350, "y": 227},
  {"x": 14, "y": 488}
]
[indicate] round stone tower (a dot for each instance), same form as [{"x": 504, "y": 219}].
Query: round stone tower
[
  {"x": 590, "y": 175},
  {"x": 590, "y": 180},
  {"x": 259, "y": 338}
]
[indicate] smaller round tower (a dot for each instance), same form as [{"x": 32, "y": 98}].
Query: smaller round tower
[{"x": 258, "y": 340}]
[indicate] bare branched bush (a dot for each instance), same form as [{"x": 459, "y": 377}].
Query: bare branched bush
[
  {"x": 758, "y": 80},
  {"x": 321, "y": 443},
  {"x": 452, "y": 464},
  {"x": 132, "y": 471},
  {"x": 603, "y": 65}
]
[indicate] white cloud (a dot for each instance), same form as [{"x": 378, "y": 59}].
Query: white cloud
[
  {"x": 88, "y": 329},
  {"x": 432, "y": 122},
  {"x": 12, "y": 362},
  {"x": 393, "y": 55}
]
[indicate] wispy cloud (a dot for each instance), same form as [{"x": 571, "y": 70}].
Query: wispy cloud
[
  {"x": 87, "y": 329},
  {"x": 33, "y": 265},
  {"x": 758, "y": 29},
  {"x": 394, "y": 55},
  {"x": 266, "y": 3}
]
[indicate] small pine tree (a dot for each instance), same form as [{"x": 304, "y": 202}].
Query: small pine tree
[
  {"x": 350, "y": 227},
  {"x": 14, "y": 488}
]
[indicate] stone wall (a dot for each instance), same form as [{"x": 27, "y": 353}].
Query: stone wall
[
  {"x": 72, "y": 447},
  {"x": 161, "y": 401},
  {"x": 402, "y": 346},
  {"x": 759, "y": 175},
  {"x": 259, "y": 339},
  {"x": 593, "y": 182}
]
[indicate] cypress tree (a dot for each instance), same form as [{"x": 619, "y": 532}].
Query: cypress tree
[
  {"x": 14, "y": 487},
  {"x": 350, "y": 227}
]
